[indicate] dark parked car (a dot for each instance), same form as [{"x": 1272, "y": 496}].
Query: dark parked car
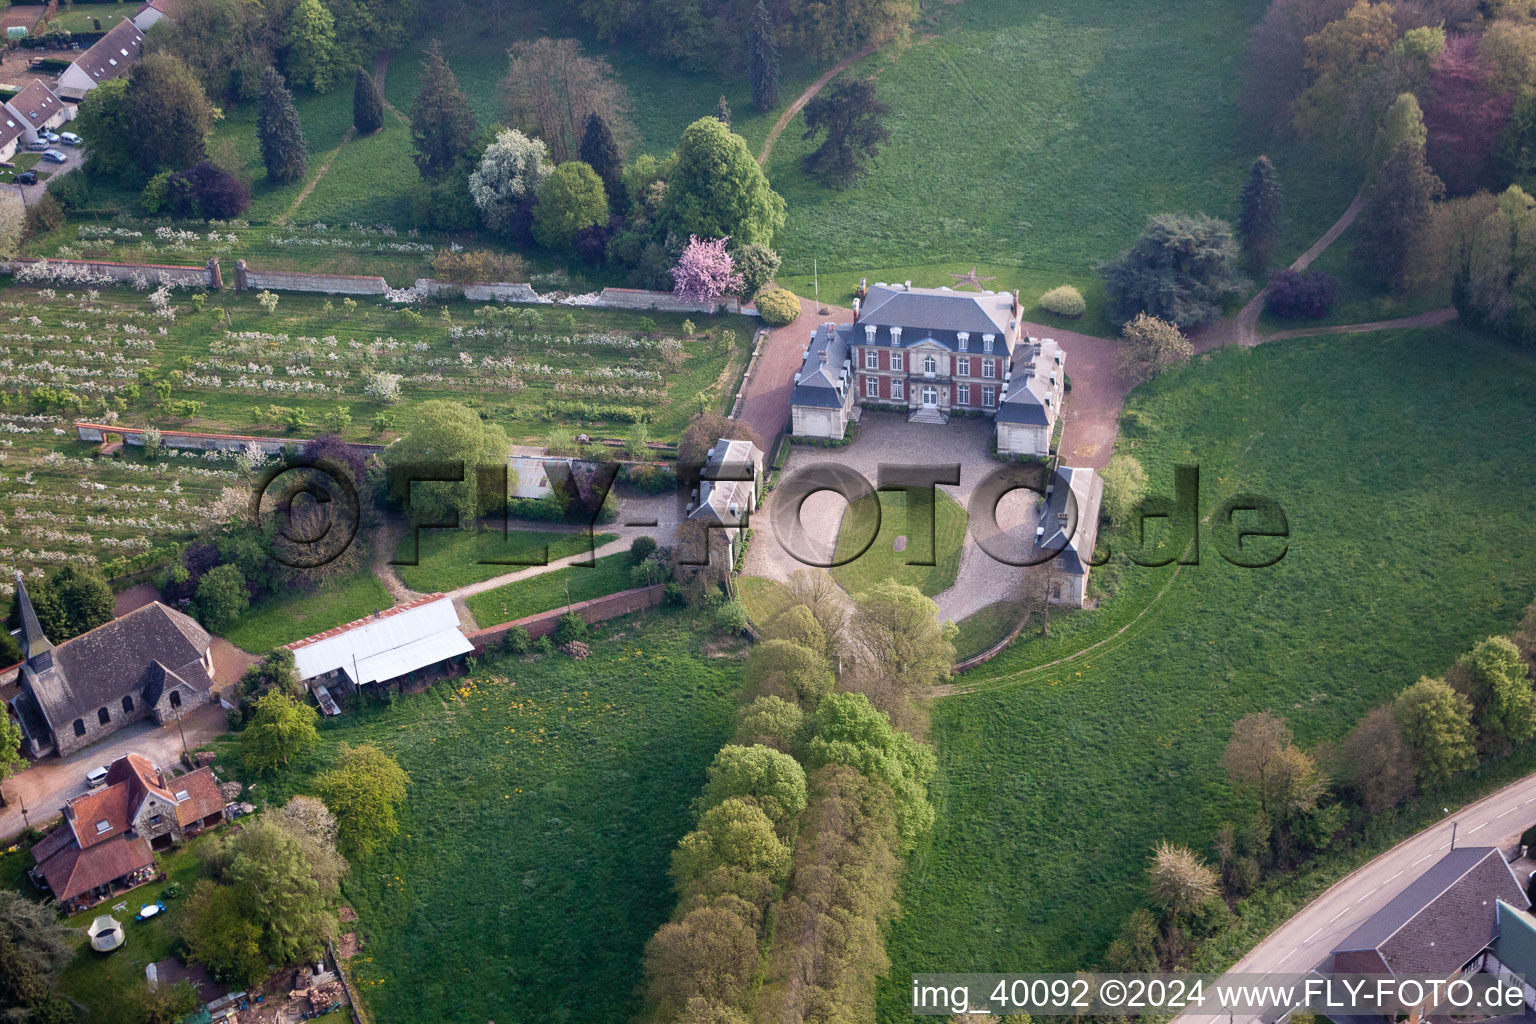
[{"x": 27, "y": 178}]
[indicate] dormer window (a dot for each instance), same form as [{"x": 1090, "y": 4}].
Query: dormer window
[
  {"x": 986, "y": 342},
  {"x": 964, "y": 338},
  {"x": 895, "y": 335},
  {"x": 869, "y": 333},
  {"x": 103, "y": 826}
]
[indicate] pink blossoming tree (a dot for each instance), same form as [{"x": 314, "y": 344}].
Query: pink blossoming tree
[{"x": 705, "y": 272}]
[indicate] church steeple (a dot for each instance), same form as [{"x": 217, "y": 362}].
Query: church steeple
[{"x": 33, "y": 642}]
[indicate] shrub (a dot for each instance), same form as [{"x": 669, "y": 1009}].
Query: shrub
[
  {"x": 156, "y": 196},
  {"x": 1302, "y": 295},
  {"x": 70, "y": 190},
  {"x": 572, "y": 627},
  {"x": 650, "y": 479},
  {"x": 207, "y": 190},
  {"x": 731, "y": 617},
  {"x": 44, "y": 215},
  {"x": 640, "y": 549},
  {"x": 517, "y": 641},
  {"x": 779, "y": 306},
  {"x": 1063, "y": 301},
  {"x": 478, "y": 265}
]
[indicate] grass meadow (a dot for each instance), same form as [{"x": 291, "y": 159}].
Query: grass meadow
[
  {"x": 1040, "y": 137},
  {"x": 447, "y": 559},
  {"x": 283, "y": 618},
  {"x": 546, "y": 796},
  {"x": 606, "y": 575},
  {"x": 1401, "y": 555}
]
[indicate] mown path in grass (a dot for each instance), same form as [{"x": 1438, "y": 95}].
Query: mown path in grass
[{"x": 805, "y": 97}]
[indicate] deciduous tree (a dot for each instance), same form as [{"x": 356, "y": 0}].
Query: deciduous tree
[
  {"x": 898, "y": 631},
  {"x": 1374, "y": 763},
  {"x": 552, "y": 87},
  {"x": 167, "y": 112},
  {"x": 709, "y": 955},
  {"x": 365, "y": 790},
  {"x": 283, "y": 148},
  {"x": 1493, "y": 677},
  {"x": 281, "y": 728},
  {"x": 446, "y": 434},
  {"x": 219, "y": 936},
  {"x": 222, "y": 597},
  {"x": 756, "y": 264},
  {"x": 717, "y": 189},
  {"x": 1151, "y": 346},
  {"x": 312, "y": 53},
  {"x": 1437, "y": 725},
  {"x": 1178, "y": 880},
  {"x": 1261, "y": 759},
  {"x": 507, "y": 180},
  {"x": 785, "y": 669},
  {"x": 771, "y": 780},
  {"x": 734, "y": 833},
  {"x": 705, "y": 271},
  {"x": 280, "y": 893},
  {"x": 849, "y": 730},
  {"x": 1125, "y": 484},
  {"x": 569, "y": 200}
]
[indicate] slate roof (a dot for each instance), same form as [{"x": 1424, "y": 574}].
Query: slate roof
[
  {"x": 1029, "y": 384},
  {"x": 1069, "y": 523},
  {"x": 817, "y": 382},
  {"x": 72, "y": 870},
  {"x": 938, "y": 310},
  {"x": 137, "y": 653},
  {"x": 10, "y": 127},
  {"x": 1452, "y": 908},
  {"x": 35, "y": 104},
  {"x": 727, "y": 479},
  {"x": 114, "y": 53}
]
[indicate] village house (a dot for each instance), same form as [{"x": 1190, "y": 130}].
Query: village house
[
  {"x": 1067, "y": 531},
  {"x": 730, "y": 485},
  {"x": 153, "y": 13},
  {"x": 1443, "y": 923},
  {"x": 150, "y": 663},
  {"x": 933, "y": 353},
  {"x": 37, "y": 109},
  {"x": 107, "y": 840},
  {"x": 395, "y": 645},
  {"x": 11, "y": 131},
  {"x": 109, "y": 57}
]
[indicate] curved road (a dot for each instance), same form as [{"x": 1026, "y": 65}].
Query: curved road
[{"x": 1304, "y": 942}]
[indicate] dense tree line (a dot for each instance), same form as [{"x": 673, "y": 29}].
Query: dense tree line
[
  {"x": 1300, "y": 804},
  {"x": 699, "y": 34},
  {"x": 789, "y": 875},
  {"x": 229, "y": 43}
]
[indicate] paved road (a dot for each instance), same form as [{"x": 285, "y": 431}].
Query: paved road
[
  {"x": 1305, "y": 941},
  {"x": 48, "y": 784}
]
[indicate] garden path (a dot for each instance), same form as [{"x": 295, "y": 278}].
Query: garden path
[
  {"x": 804, "y": 98},
  {"x": 309, "y": 186}
]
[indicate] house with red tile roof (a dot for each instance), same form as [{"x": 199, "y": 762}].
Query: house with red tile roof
[{"x": 108, "y": 837}]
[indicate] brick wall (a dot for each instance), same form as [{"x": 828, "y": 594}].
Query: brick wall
[{"x": 595, "y": 610}]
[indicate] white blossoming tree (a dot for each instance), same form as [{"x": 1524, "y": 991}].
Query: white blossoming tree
[{"x": 513, "y": 168}]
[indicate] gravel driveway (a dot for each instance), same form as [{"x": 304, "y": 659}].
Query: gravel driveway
[{"x": 888, "y": 438}]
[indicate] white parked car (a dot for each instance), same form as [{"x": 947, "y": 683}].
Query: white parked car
[
  {"x": 69, "y": 139},
  {"x": 57, "y": 156},
  {"x": 37, "y": 145},
  {"x": 96, "y": 777}
]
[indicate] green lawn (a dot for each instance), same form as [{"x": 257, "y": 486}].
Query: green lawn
[
  {"x": 96, "y": 980},
  {"x": 546, "y": 796},
  {"x": 881, "y": 561},
  {"x": 92, "y": 17},
  {"x": 608, "y": 575},
  {"x": 452, "y": 558},
  {"x": 765, "y": 599},
  {"x": 1040, "y": 137},
  {"x": 284, "y": 618},
  {"x": 1401, "y": 555}
]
